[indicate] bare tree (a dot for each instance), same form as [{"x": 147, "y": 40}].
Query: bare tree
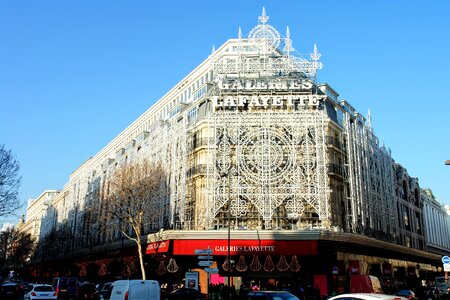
[
  {"x": 131, "y": 199},
  {"x": 9, "y": 182},
  {"x": 17, "y": 248}
]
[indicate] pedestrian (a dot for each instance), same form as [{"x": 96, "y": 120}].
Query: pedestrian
[{"x": 255, "y": 287}]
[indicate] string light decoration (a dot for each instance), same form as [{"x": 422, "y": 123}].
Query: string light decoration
[
  {"x": 161, "y": 268},
  {"x": 255, "y": 265},
  {"x": 268, "y": 264},
  {"x": 294, "y": 267},
  {"x": 241, "y": 266},
  {"x": 83, "y": 271},
  {"x": 126, "y": 272},
  {"x": 102, "y": 263},
  {"x": 172, "y": 267},
  {"x": 130, "y": 266},
  {"x": 227, "y": 265},
  {"x": 102, "y": 271},
  {"x": 282, "y": 264}
]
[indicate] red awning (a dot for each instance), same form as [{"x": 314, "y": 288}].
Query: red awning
[
  {"x": 158, "y": 247},
  {"x": 246, "y": 247}
]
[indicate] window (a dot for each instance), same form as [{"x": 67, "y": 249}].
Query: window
[
  {"x": 408, "y": 242},
  {"x": 405, "y": 191}
]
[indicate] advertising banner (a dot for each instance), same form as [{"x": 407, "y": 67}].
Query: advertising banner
[{"x": 192, "y": 280}]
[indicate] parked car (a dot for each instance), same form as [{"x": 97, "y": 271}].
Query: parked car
[
  {"x": 184, "y": 294},
  {"x": 103, "y": 291},
  {"x": 366, "y": 296},
  {"x": 86, "y": 291},
  {"x": 40, "y": 292},
  {"x": 135, "y": 290},
  {"x": 407, "y": 294},
  {"x": 270, "y": 295},
  {"x": 9, "y": 290}
]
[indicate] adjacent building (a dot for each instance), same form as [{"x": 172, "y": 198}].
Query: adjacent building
[
  {"x": 37, "y": 210},
  {"x": 437, "y": 218}
]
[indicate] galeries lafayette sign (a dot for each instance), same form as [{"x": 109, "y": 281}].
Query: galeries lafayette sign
[
  {"x": 259, "y": 93},
  {"x": 220, "y": 247},
  {"x": 266, "y": 101}
]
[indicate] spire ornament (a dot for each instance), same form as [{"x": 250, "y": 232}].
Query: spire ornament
[
  {"x": 263, "y": 18},
  {"x": 288, "y": 42}
]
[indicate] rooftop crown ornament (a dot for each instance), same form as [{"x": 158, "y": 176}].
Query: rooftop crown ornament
[{"x": 264, "y": 36}]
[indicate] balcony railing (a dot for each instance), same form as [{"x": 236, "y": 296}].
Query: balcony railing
[
  {"x": 196, "y": 170},
  {"x": 335, "y": 169},
  {"x": 333, "y": 142},
  {"x": 192, "y": 144}
]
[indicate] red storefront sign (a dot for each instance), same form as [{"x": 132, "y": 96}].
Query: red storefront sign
[
  {"x": 248, "y": 247},
  {"x": 158, "y": 247}
]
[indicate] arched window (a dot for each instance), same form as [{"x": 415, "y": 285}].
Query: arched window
[{"x": 405, "y": 190}]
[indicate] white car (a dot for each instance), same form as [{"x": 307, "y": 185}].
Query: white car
[
  {"x": 366, "y": 296},
  {"x": 40, "y": 292}
]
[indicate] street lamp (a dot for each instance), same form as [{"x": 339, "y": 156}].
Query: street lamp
[
  {"x": 227, "y": 174},
  {"x": 447, "y": 163}
]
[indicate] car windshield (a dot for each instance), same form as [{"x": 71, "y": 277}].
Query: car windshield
[{"x": 43, "y": 288}]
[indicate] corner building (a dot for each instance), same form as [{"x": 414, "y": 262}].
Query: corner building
[{"x": 264, "y": 165}]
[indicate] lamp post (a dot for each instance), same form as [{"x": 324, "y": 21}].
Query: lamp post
[
  {"x": 447, "y": 163},
  {"x": 227, "y": 174},
  {"x": 229, "y": 241}
]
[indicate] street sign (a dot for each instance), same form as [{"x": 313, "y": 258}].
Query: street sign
[
  {"x": 203, "y": 251},
  {"x": 205, "y": 257},
  {"x": 205, "y": 263},
  {"x": 445, "y": 260},
  {"x": 212, "y": 270},
  {"x": 446, "y": 267}
]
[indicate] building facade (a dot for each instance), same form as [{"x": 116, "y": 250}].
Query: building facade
[
  {"x": 436, "y": 223},
  {"x": 266, "y": 167},
  {"x": 36, "y": 212}
]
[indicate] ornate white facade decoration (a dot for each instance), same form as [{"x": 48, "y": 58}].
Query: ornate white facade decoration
[
  {"x": 266, "y": 161},
  {"x": 263, "y": 55}
]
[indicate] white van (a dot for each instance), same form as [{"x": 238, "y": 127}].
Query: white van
[{"x": 135, "y": 290}]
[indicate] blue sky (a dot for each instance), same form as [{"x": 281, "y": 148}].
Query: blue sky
[{"x": 74, "y": 74}]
